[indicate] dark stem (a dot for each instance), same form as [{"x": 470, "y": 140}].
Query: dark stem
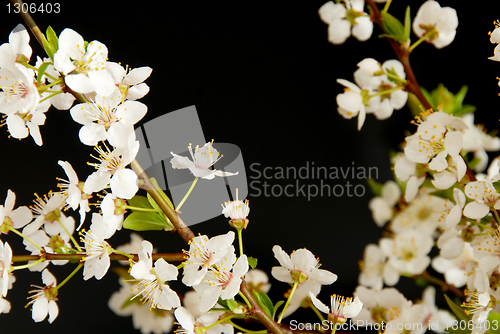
[
  {"x": 170, "y": 257},
  {"x": 257, "y": 311},
  {"x": 181, "y": 228},
  {"x": 403, "y": 54}
]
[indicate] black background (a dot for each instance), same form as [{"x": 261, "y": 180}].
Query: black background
[{"x": 262, "y": 76}]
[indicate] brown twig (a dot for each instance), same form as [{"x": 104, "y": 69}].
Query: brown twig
[{"x": 170, "y": 257}]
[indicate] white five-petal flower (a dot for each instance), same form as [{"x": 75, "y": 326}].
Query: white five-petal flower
[
  {"x": 440, "y": 23},
  {"x": 154, "y": 291},
  {"x": 303, "y": 266},
  {"x": 83, "y": 66},
  {"x": 203, "y": 159},
  {"x": 44, "y": 299}
]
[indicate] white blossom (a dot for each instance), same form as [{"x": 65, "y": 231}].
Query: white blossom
[
  {"x": 408, "y": 251},
  {"x": 44, "y": 299},
  {"x": 301, "y": 266},
  {"x": 203, "y": 159},
  {"x": 155, "y": 292},
  {"x": 382, "y": 207},
  {"x": 203, "y": 254},
  {"x": 440, "y": 22},
  {"x": 344, "y": 20},
  {"x": 84, "y": 67},
  {"x": 130, "y": 82}
]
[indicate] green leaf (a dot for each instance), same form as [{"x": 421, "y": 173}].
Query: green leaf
[
  {"x": 162, "y": 193},
  {"x": 376, "y": 187},
  {"x": 144, "y": 221},
  {"x": 154, "y": 205},
  {"x": 41, "y": 71},
  {"x": 261, "y": 303},
  {"x": 139, "y": 202},
  {"x": 48, "y": 48},
  {"x": 429, "y": 97},
  {"x": 473, "y": 163},
  {"x": 52, "y": 38},
  {"x": 497, "y": 186},
  {"x": 407, "y": 26},
  {"x": 51, "y": 43},
  {"x": 421, "y": 282},
  {"x": 394, "y": 27},
  {"x": 457, "y": 310},
  {"x": 276, "y": 307},
  {"x": 267, "y": 301},
  {"x": 252, "y": 262},
  {"x": 494, "y": 322},
  {"x": 232, "y": 304},
  {"x": 223, "y": 303},
  {"x": 466, "y": 109}
]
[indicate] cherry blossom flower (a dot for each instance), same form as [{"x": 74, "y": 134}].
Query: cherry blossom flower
[
  {"x": 108, "y": 119},
  {"x": 238, "y": 211},
  {"x": 46, "y": 211},
  {"x": 438, "y": 24},
  {"x": 435, "y": 139},
  {"x": 382, "y": 207},
  {"x": 84, "y": 67},
  {"x": 373, "y": 75},
  {"x": 155, "y": 292},
  {"x": 354, "y": 101},
  {"x": 451, "y": 175},
  {"x": 342, "y": 308},
  {"x": 59, "y": 243},
  {"x": 479, "y": 305},
  {"x": 434, "y": 315},
  {"x": 159, "y": 321},
  {"x": 408, "y": 251},
  {"x": 19, "y": 93},
  {"x": 203, "y": 159},
  {"x": 130, "y": 82},
  {"x": 424, "y": 213},
  {"x": 186, "y": 320},
  {"x": 342, "y": 20},
  {"x": 73, "y": 191},
  {"x": 5, "y": 261},
  {"x": 222, "y": 280},
  {"x": 111, "y": 171},
  {"x": 406, "y": 170},
  {"x": 301, "y": 266},
  {"x": 450, "y": 242},
  {"x": 22, "y": 125},
  {"x": 375, "y": 271},
  {"x": 204, "y": 253},
  {"x": 97, "y": 249},
  {"x": 113, "y": 210},
  {"x": 408, "y": 314},
  {"x": 17, "y": 47},
  {"x": 477, "y": 279},
  {"x": 257, "y": 280},
  {"x": 389, "y": 299},
  {"x": 44, "y": 299},
  {"x": 495, "y": 38},
  {"x": 486, "y": 249},
  {"x": 13, "y": 218},
  {"x": 62, "y": 100},
  {"x": 455, "y": 270},
  {"x": 484, "y": 196}
]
